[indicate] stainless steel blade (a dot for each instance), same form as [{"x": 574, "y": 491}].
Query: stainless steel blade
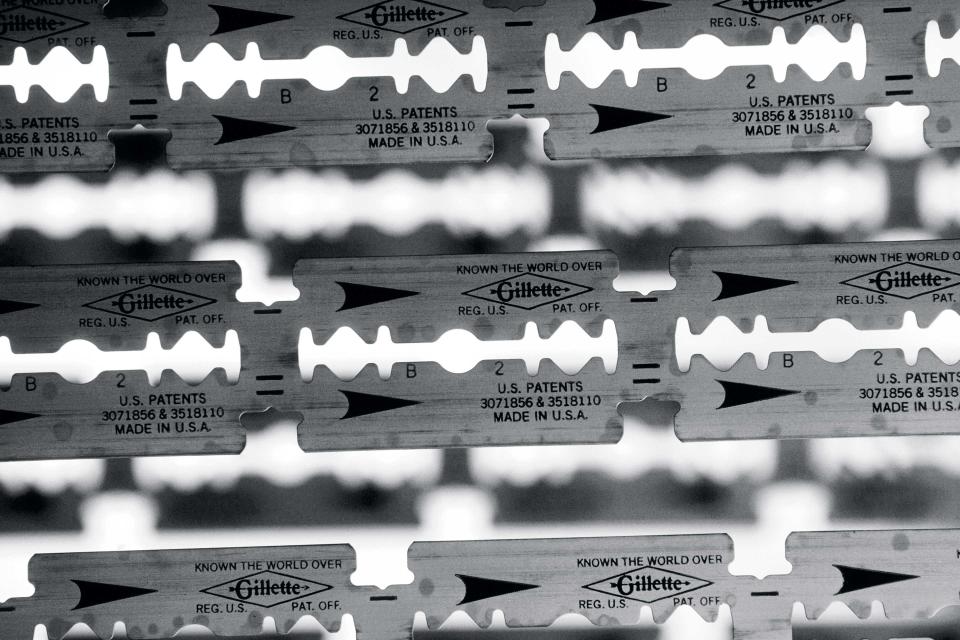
[
  {"x": 327, "y": 94},
  {"x": 426, "y": 399},
  {"x": 533, "y": 582}
]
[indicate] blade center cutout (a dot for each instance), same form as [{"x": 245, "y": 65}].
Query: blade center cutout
[
  {"x": 192, "y": 358},
  {"x": 938, "y": 48},
  {"x": 705, "y": 56},
  {"x": 59, "y": 73},
  {"x": 458, "y": 351},
  {"x": 834, "y": 340},
  {"x": 327, "y": 68}
]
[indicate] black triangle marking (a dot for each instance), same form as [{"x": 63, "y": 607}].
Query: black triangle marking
[
  {"x": 233, "y": 19},
  {"x": 855, "y": 579},
  {"x": 483, "y": 588},
  {"x": 733, "y": 285},
  {"x": 7, "y": 416},
  {"x": 12, "y": 306},
  {"x": 362, "y": 295},
  {"x": 739, "y": 393},
  {"x": 239, "y": 129},
  {"x": 94, "y": 593},
  {"x": 613, "y": 118},
  {"x": 363, "y": 404},
  {"x": 612, "y": 9}
]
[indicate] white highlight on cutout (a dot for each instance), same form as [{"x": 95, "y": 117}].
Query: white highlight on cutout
[
  {"x": 493, "y": 201},
  {"x": 60, "y": 74},
  {"x": 833, "y": 195},
  {"x": 832, "y": 458},
  {"x": 642, "y": 449},
  {"x": 898, "y": 130},
  {"x": 51, "y": 476},
  {"x": 254, "y": 261},
  {"x": 327, "y": 68},
  {"x": 834, "y": 340},
  {"x": 160, "y": 205},
  {"x": 79, "y": 361},
  {"x": 705, "y": 56},
  {"x": 939, "y": 48},
  {"x": 458, "y": 350},
  {"x": 273, "y": 454},
  {"x": 938, "y": 193}
]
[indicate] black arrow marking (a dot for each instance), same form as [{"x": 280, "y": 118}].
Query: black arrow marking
[
  {"x": 362, "y": 295},
  {"x": 612, "y": 9},
  {"x": 12, "y": 306},
  {"x": 612, "y": 118},
  {"x": 733, "y": 285},
  {"x": 483, "y": 588},
  {"x": 239, "y": 129},
  {"x": 855, "y": 579},
  {"x": 7, "y": 416},
  {"x": 232, "y": 19},
  {"x": 739, "y": 393},
  {"x": 363, "y": 404},
  {"x": 94, "y": 593}
]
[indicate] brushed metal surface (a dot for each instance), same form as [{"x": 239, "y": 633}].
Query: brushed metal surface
[
  {"x": 497, "y": 401},
  {"x": 291, "y": 122}
]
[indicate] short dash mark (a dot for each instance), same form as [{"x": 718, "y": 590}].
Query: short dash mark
[
  {"x": 519, "y": 23},
  {"x": 270, "y": 377},
  {"x": 382, "y": 598},
  {"x": 270, "y": 392}
]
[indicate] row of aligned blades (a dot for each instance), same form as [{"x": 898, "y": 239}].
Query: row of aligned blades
[
  {"x": 420, "y": 300},
  {"x": 372, "y": 67},
  {"x": 610, "y": 581},
  {"x": 283, "y": 358}
]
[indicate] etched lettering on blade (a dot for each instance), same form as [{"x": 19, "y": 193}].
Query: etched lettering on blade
[
  {"x": 402, "y": 16},
  {"x": 266, "y": 589},
  {"x": 778, "y": 10},
  {"x": 648, "y": 584},
  {"x": 24, "y": 24},
  {"x": 527, "y": 291},
  {"x": 150, "y": 302},
  {"x": 907, "y": 280}
]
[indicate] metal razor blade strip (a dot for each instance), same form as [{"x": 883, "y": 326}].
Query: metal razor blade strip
[
  {"x": 351, "y": 82},
  {"x": 532, "y": 582},
  {"x": 284, "y": 360}
]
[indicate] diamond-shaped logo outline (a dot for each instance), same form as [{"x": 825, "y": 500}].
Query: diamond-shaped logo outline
[
  {"x": 197, "y": 302},
  {"x": 851, "y": 282},
  {"x": 759, "y": 13},
  {"x": 700, "y": 583},
  {"x": 366, "y": 12},
  {"x": 69, "y": 22},
  {"x": 573, "y": 291},
  {"x": 212, "y": 590}
]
